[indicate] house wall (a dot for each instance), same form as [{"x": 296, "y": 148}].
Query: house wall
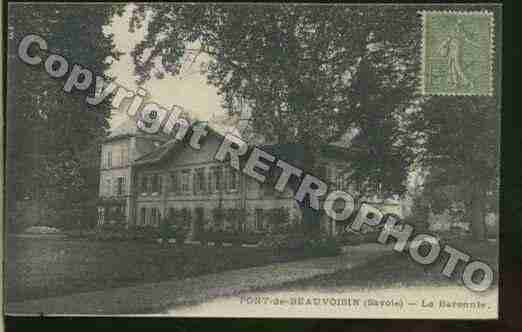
[
  {"x": 248, "y": 195},
  {"x": 123, "y": 152}
]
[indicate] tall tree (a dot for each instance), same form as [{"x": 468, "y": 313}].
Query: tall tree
[
  {"x": 49, "y": 129},
  {"x": 460, "y": 145},
  {"x": 309, "y": 74}
]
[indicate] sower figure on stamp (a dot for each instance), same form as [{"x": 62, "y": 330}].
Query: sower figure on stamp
[{"x": 451, "y": 48}]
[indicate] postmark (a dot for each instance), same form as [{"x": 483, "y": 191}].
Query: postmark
[{"x": 457, "y": 53}]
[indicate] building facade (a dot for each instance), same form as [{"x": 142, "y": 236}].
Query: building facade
[{"x": 145, "y": 178}]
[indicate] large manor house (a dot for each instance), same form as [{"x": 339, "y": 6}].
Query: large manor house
[{"x": 145, "y": 177}]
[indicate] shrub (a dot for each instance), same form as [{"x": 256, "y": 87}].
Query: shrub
[
  {"x": 307, "y": 246},
  {"x": 186, "y": 217},
  {"x": 356, "y": 238},
  {"x": 81, "y": 233},
  {"x": 278, "y": 218},
  {"x": 231, "y": 236},
  {"x": 166, "y": 229},
  {"x": 236, "y": 217},
  {"x": 109, "y": 232},
  {"x": 115, "y": 233},
  {"x": 322, "y": 246},
  {"x": 218, "y": 216},
  {"x": 420, "y": 212},
  {"x": 116, "y": 227},
  {"x": 180, "y": 234}
]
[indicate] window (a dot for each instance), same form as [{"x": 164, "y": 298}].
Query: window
[
  {"x": 144, "y": 184},
  {"x": 108, "y": 186},
  {"x": 109, "y": 159},
  {"x": 258, "y": 222},
  {"x": 322, "y": 172},
  {"x": 340, "y": 182},
  {"x": 154, "y": 187},
  {"x": 124, "y": 155},
  {"x": 330, "y": 174},
  {"x": 156, "y": 183},
  {"x": 174, "y": 182},
  {"x": 185, "y": 181},
  {"x": 267, "y": 190},
  {"x": 253, "y": 184},
  {"x": 209, "y": 180},
  {"x": 186, "y": 216},
  {"x": 217, "y": 178},
  {"x": 232, "y": 179},
  {"x": 199, "y": 180},
  {"x": 120, "y": 186},
  {"x": 154, "y": 216},
  {"x": 143, "y": 216},
  {"x": 212, "y": 179}
]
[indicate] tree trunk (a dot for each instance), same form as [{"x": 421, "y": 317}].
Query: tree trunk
[
  {"x": 311, "y": 217},
  {"x": 478, "y": 225}
]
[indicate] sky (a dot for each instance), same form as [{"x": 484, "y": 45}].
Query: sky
[{"x": 189, "y": 89}]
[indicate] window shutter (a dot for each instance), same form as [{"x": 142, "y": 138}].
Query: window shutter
[
  {"x": 143, "y": 184},
  {"x": 212, "y": 180},
  {"x": 224, "y": 184},
  {"x": 194, "y": 182},
  {"x": 208, "y": 174},
  {"x": 108, "y": 187},
  {"x": 115, "y": 187},
  {"x": 203, "y": 179},
  {"x": 109, "y": 159}
]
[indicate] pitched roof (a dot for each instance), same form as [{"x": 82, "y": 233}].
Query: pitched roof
[
  {"x": 292, "y": 153},
  {"x": 163, "y": 150},
  {"x": 128, "y": 128},
  {"x": 158, "y": 153}
]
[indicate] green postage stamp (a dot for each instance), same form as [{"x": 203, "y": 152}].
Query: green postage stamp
[{"x": 457, "y": 53}]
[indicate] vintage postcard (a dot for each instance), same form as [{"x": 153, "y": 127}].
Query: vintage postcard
[{"x": 252, "y": 160}]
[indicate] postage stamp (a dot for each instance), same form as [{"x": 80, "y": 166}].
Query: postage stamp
[
  {"x": 457, "y": 52},
  {"x": 262, "y": 161}
]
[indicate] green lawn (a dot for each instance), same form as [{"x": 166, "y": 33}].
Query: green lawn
[
  {"x": 40, "y": 267},
  {"x": 399, "y": 270}
]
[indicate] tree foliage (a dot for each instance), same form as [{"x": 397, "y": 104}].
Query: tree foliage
[
  {"x": 459, "y": 141},
  {"x": 50, "y": 130},
  {"x": 308, "y": 74}
]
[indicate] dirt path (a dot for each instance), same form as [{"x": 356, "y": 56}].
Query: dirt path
[{"x": 156, "y": 297}]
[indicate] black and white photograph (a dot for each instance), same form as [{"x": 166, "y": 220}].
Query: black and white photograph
[{"x": 253, "y": 160}]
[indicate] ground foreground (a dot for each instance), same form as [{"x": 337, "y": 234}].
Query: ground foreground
[
  {"x": 158, "y": 297},
  {"x": 40, "y": 266},
  {"x": 399, "y": 270},
  {"x": 391, "y": 286}
]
